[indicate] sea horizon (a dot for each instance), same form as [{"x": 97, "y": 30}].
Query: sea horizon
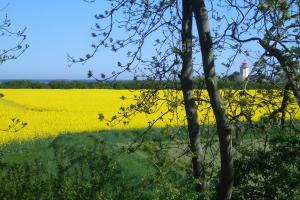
[{"x": 49, "y": 80}]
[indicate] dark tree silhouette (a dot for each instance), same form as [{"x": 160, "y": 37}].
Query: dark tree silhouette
[
  {"x": 167, "y": 27},
  {"x": 272, "y": 25},
  {"x": 7, "y": 32},
  {"x": 11, "y": 53}
]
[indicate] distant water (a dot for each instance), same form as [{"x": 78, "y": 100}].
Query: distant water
[
  {"x": 49, "y": 80},
  {"x": 46, "y": 80}
]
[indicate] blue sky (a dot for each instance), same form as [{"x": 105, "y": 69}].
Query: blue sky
[{"x": 54, "y": 29}]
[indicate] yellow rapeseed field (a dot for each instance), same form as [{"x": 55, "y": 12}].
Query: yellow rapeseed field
[{"x": 50, "y": 112}]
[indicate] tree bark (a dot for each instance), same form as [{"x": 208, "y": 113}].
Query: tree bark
[
  {"x": 186, "y": 78},
  {"x": 224, "y": 128},
  {"x": 289, "y": 67},
  {"x": 284, "y": 105}
]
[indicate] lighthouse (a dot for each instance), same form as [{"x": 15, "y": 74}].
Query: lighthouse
[{"x": 244, "y": 70}]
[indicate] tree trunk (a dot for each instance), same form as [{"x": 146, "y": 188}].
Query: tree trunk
[
  {"x": 291, "y": 74},
  {"x": 289, "y": 67},
  {"x": 186, "y": 78},
  {"x": 224, "y": 129},
  {"x": 284, "y": 104}
]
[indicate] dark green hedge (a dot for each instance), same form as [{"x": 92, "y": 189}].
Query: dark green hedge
[{"x": 132, "y": 84}]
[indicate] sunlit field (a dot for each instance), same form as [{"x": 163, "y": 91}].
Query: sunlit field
[{"x": 53, "y": 112}]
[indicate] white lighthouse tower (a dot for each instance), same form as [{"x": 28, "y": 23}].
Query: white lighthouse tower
[{"x": 244, "y": 70}]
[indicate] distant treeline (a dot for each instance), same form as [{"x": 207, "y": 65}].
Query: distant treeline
[{"x": 132, "y": 84}]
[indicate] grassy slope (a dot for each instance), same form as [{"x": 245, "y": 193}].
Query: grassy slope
[
  {"x": 43, "y": 150},
  {"x": 99, "y": 159},
  {"x": 99, "y": 154}
]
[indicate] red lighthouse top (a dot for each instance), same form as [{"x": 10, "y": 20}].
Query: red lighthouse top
[{"x": 245, "y": 64}]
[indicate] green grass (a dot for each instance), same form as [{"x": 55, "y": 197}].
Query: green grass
[
  {"x": 99, "y": 166},
  {"x": 43, "y": 149},
  {"x": 95, "y": 164}
]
